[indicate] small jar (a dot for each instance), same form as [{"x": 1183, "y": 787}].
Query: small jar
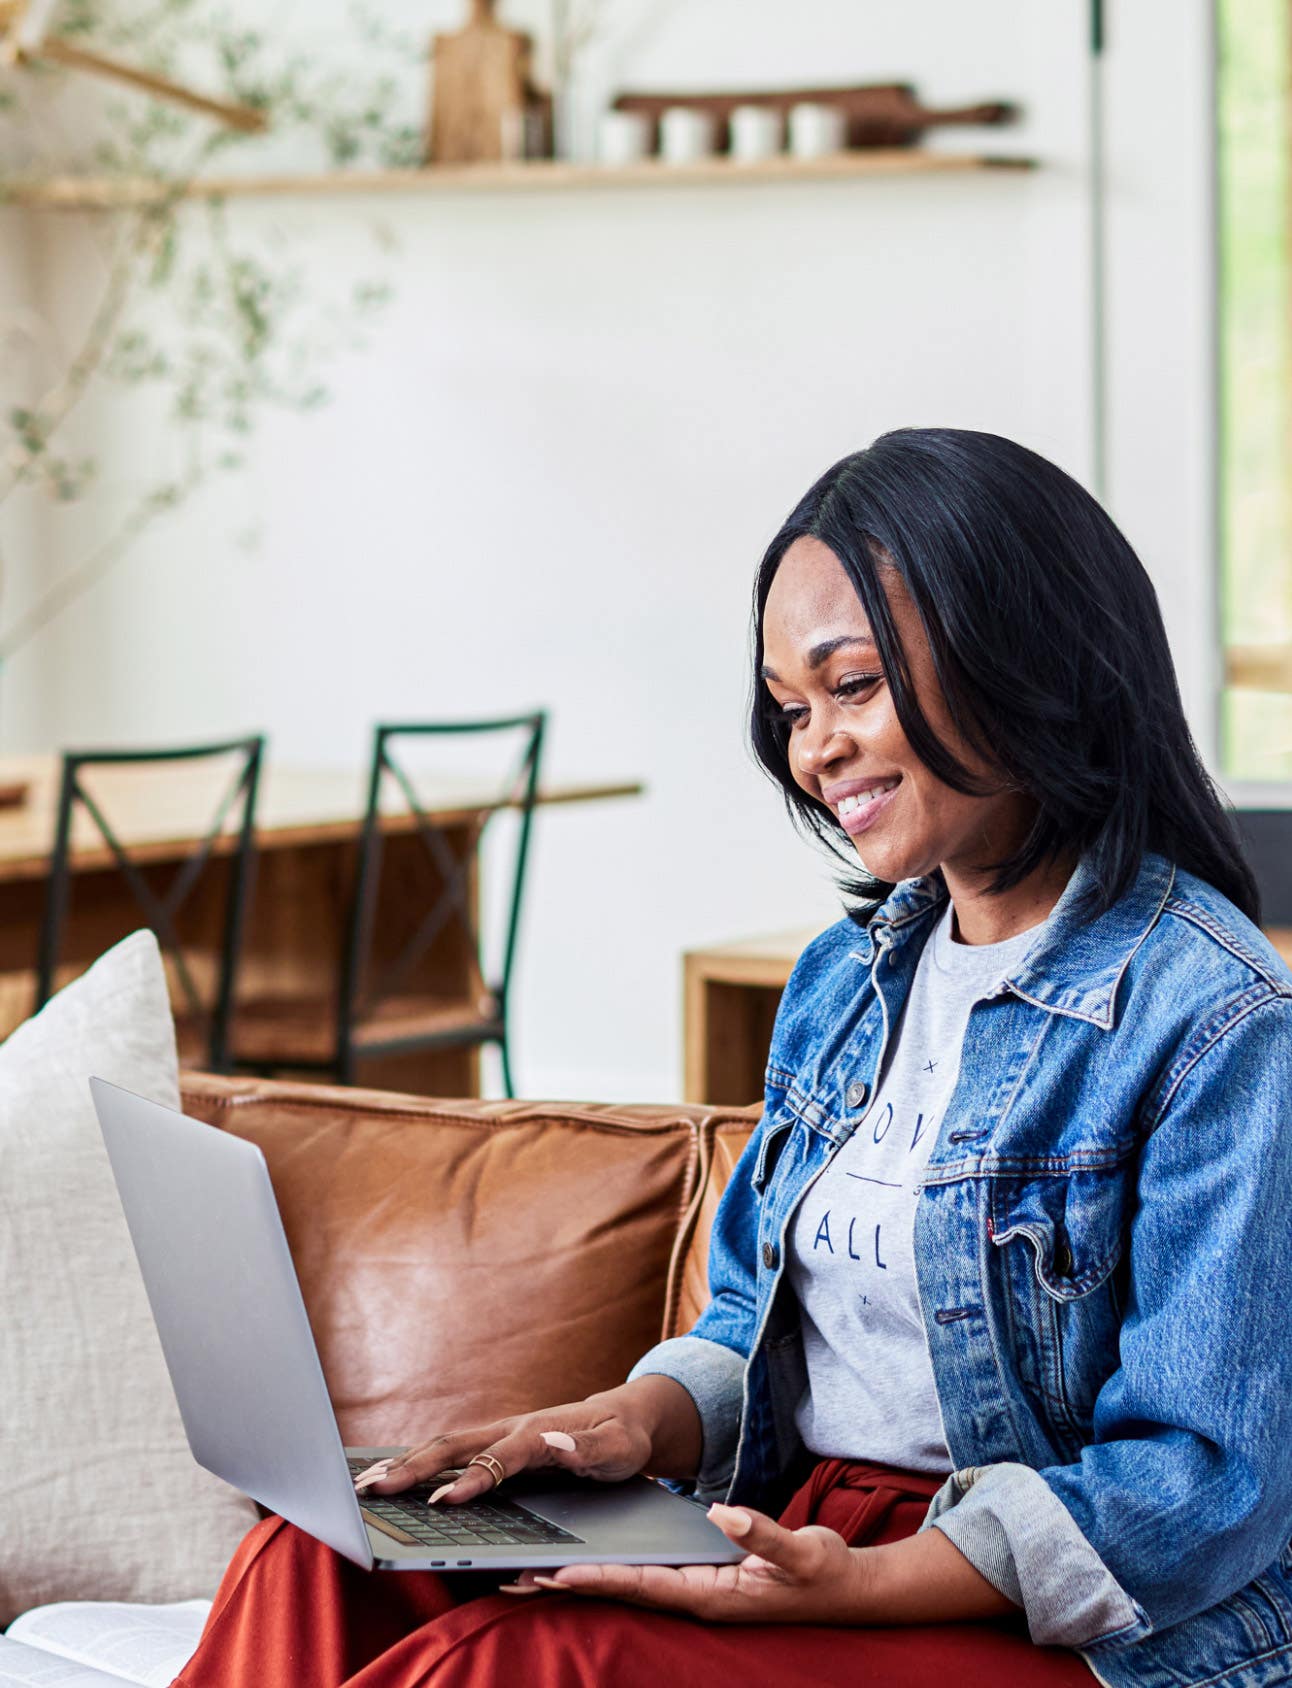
[
  {"x": 623, "y": 138},
  {"x": 685, "y": 135},
  {"x": 816, "y": 129},
  {"x": 757, "y": 132}
]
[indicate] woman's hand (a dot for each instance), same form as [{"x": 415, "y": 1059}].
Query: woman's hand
[
  {"x": 808, "y": 1576},
  {"x": 608, "y": 1437}
]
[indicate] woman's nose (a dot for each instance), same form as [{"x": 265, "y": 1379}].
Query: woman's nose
[{"x": 821, "y": 746}]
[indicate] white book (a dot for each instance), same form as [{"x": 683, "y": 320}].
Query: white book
[{"x": 100, "y": 1644}]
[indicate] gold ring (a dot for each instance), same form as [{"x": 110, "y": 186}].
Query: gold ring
[{"x": 492, "y": 1466}]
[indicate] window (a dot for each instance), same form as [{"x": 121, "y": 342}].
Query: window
[{"x": 1255, "y": 181}]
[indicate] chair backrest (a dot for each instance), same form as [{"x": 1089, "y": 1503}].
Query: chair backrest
[
  {"x": 449, "y": 822},
  {"x": 232, "y": 808}
]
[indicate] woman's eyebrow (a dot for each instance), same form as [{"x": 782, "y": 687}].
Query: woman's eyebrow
[{"x": 824, "y": 651}]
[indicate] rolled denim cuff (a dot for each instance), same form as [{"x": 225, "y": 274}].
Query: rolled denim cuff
[
  {"x": 1015, "y": 1531},
  {"x": 714, "y": 1378}
]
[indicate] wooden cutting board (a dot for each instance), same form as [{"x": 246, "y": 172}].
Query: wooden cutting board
[{"x": 480, "y": 74}]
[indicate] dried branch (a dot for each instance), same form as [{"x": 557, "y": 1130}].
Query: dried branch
[{"x": 575, "y": 25}]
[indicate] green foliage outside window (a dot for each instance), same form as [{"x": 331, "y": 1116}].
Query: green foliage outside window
[{"x": 1255, "y": 154}]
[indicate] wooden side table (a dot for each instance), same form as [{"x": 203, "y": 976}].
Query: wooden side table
[{"x": 732, "y": 992}]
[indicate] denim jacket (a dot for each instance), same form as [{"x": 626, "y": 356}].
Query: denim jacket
[{"x": 1103, "y": 1249}]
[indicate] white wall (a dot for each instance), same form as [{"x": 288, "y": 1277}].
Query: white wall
[
  {"x": 25, "y": 556},
  {"x": 1161, "y": 326},
  {"x": 549, "y": 478}
]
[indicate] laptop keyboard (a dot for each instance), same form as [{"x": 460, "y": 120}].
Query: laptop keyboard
[{"x": 487, "y": 1522}]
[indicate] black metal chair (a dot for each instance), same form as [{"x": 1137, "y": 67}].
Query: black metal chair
[
  {"x": 203, "y": 1019},
  {"x": 387, "y": 1002}
]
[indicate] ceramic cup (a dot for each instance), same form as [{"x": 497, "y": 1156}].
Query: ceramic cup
[
  {"x": 757, "y": 132},
  {"x": 623, "y": 138},
  {"x": 685, "y": 135},
  {"x": 816, "y": 129}
]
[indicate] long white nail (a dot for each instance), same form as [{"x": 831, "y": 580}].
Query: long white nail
[
  {"x": 439, "y": 1494},
  {"x": 558, "y": 1439},
  {"x": 374, "y": 1473}
]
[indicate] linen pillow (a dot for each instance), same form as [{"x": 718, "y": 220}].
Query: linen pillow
[{"x": 100, "y": 1497}]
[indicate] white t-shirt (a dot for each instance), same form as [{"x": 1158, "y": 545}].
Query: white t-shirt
[{"x": 851, "y": 1258}]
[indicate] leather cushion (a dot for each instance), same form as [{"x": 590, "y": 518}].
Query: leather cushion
[{"x": 463, "y": 1260}]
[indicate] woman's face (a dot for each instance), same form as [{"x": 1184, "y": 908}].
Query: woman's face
[{"x": 846, "y": 744}]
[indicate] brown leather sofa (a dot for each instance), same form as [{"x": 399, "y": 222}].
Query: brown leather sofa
[{"x": 465, "y": 1260}]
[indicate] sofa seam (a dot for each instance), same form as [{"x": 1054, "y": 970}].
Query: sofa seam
[{"x": 233, "y": 1103}]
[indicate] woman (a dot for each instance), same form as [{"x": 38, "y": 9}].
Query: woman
[{"x": 997, "y": 1320}]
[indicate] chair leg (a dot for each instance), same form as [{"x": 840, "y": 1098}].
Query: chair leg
[
  {"x": 345, "y": 1064},
  {"x": 509, "y": 1088}
]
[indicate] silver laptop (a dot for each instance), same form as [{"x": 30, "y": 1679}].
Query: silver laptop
[{"x": 237, "y": 1341}]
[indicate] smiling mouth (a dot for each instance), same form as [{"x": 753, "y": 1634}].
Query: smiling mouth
[
  {"x": 858, "y": 811},
  {"x": 850, "y": 805}
]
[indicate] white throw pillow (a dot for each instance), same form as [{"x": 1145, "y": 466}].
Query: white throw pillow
[{"x": 99, "y": 1496}]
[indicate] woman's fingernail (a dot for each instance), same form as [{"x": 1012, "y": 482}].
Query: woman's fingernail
[
  {"x": 373, "y": 1474},
  {"x": 731, "y": 1520},
  {"x": 519, "y": 1588},
  {"x": 548, "y": 1582},
  {"x": 557, "y": 1439},
  {"x": 440, "y": 1493}
]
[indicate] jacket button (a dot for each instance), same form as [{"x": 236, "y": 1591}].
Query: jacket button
[
  {"x": 769, "y": 1256},
  {"x": 1062, "y": 1259},
  {"x": 856, "y": 1094}
]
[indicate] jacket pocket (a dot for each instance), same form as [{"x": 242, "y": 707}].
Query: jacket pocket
[
  {"x": 1062, "y": 1237},
  {"x": 776, "y": 1132}
]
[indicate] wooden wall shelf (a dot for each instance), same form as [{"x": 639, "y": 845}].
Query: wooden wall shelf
[{"x": 91, "y": 193}]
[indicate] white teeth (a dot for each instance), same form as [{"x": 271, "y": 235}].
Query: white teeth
[{"x": 849, "y": 805}]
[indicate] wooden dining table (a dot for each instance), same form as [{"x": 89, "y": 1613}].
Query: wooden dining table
[{"x": 307, "y": 833}]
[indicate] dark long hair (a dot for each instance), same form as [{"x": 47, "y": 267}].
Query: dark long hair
[{"x": 1048, "y": 645}]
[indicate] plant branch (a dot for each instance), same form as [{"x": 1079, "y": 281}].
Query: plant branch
[
  {"x": 48, "y": 413},
  {"x": 44, "y": 418},
  {"x": 77, "y": 581},
  {"x": 227, "y": 333}
]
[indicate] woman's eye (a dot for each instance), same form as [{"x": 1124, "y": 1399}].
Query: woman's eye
[
  {"x": 792, "y": 714},
  {"x": 855, "y": 684}
]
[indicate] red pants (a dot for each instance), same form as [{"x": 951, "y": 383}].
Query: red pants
[{"x": 292, "y": 1614}]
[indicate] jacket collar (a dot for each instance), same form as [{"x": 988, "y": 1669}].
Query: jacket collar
[{"x": 1077, "y": 963}]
